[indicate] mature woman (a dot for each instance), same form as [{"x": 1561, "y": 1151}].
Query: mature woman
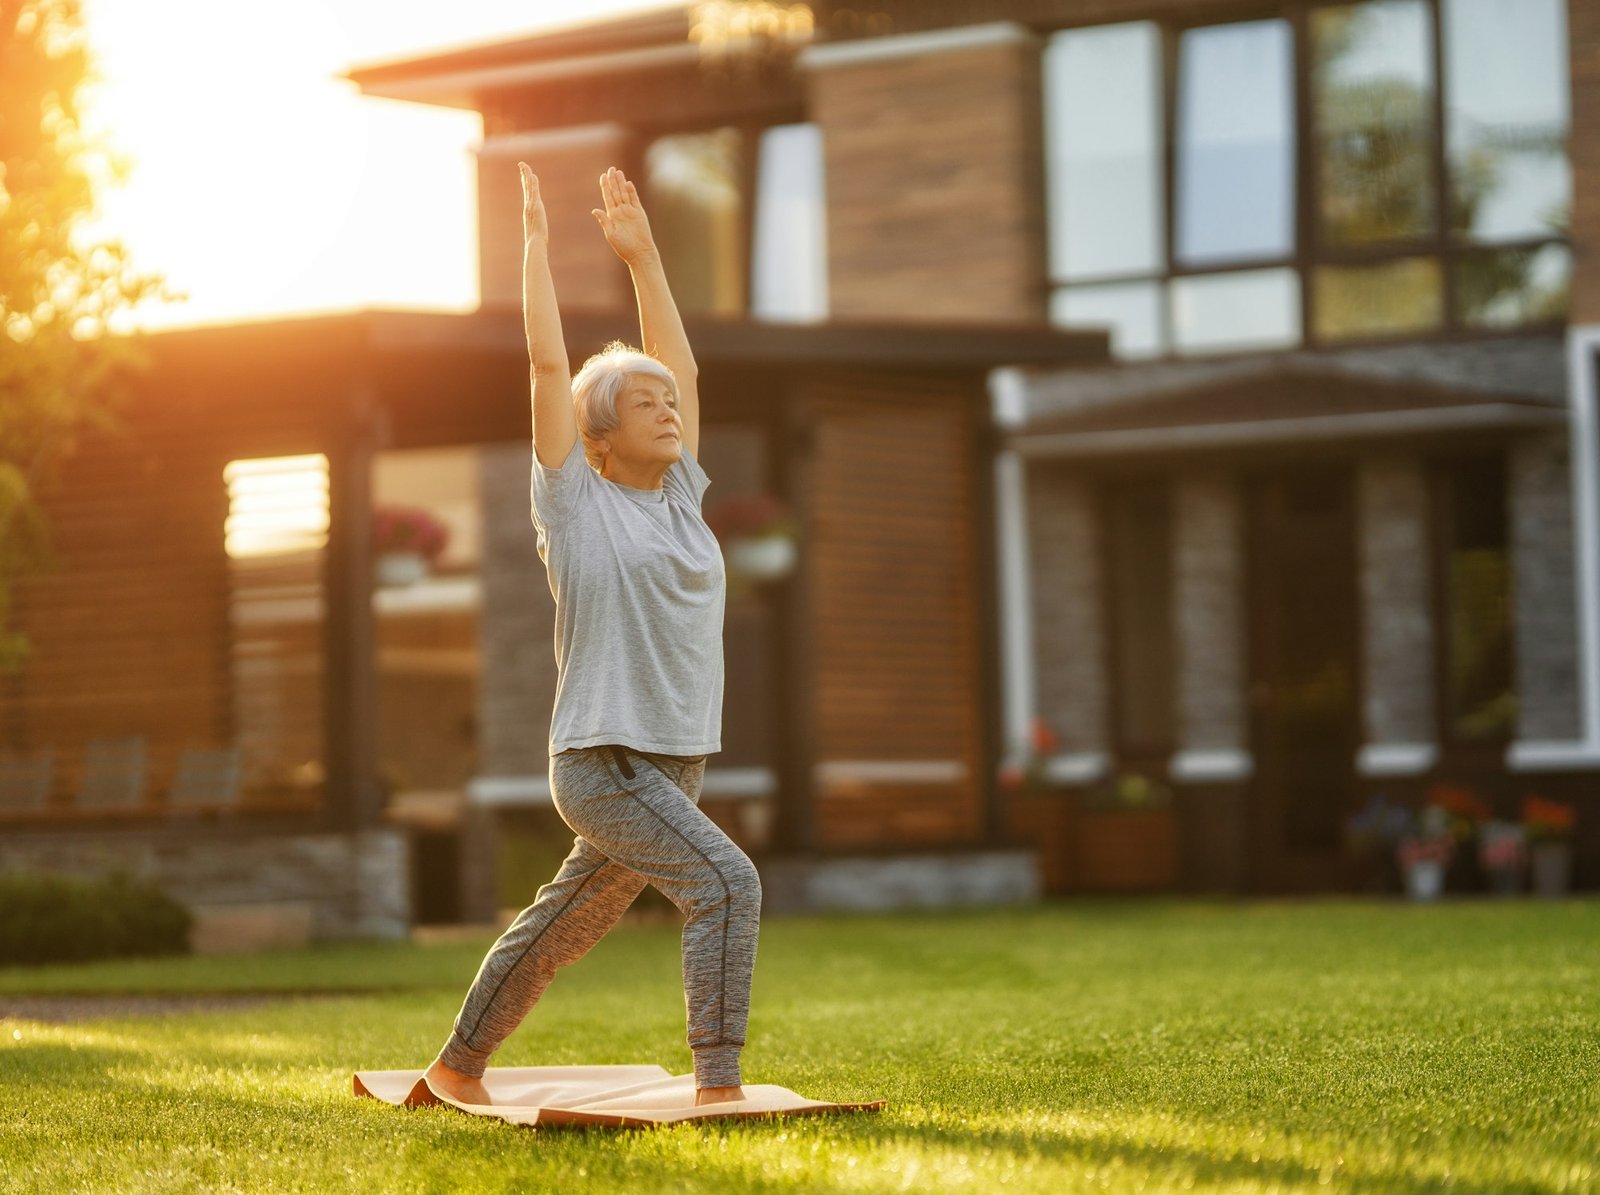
[{"x": 639, "y": 586}]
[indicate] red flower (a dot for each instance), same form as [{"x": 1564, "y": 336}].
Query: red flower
[
  {"x": 1547, "y": 819},
  {"x": 1459, "y": 801},
  {"x": 1042, "y": 739}
]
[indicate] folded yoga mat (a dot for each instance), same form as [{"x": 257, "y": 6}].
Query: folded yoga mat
[{"x": 607, "y": 1096}]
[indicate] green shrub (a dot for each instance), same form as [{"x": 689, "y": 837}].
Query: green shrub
[{"x": 46, "y": 918}]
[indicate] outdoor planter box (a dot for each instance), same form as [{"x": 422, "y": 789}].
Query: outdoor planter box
[{"x": 1126, "y": 850}]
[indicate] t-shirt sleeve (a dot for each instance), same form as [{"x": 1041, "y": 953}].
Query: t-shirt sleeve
[
  {"x": 687, "y": 479},
  {"x": 555, "y": 490}
]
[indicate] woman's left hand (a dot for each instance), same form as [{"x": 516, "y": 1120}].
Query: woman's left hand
[{"x": 623, "y": 221}]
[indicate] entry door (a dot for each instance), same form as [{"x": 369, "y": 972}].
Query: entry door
[{"x": 1304, "y": 713}]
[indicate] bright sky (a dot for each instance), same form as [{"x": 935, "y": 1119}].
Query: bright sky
[{"x": 260, "y": 184}]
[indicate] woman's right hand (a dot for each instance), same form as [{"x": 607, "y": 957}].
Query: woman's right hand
[{"x": 534, "y": 225}]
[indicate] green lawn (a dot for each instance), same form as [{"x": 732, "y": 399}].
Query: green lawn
[{"x": 1121, "y": 1046}]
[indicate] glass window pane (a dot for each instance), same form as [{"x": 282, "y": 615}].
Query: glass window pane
[
  {"x": 1235, "y": 182},
  {"x": 1360, "y": 301},
  {"x": 692, "y": 192},
  {"x": 1103, "y": 136},
  {"x": 1506, "y": 287},
  {"x": 1131, "y": 310},
  {"x": 1373, "y": 113},
  {"x": 789, "y": 277},
  {"x": 1507, "y": 117},
  {"x": 1245, "y": 310}
]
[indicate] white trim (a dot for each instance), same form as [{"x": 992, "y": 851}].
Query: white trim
[
  {"x": 1019, "y": 694},
  {"x": 1201, "y": 764},
  {"x": 535, "y": 140},
  {"x": 1077, "y": 767},
  {"x": 430, "y": 87},
  {"x": 749, "y": 784},
  {"x": 1396, "y": 759},
  {"x": 1528, "y": 755},
  {"x": 1268, "y": 431},
  {"x": 909, "y": 45},
  {"x": 1583, "y": 361},
  {"x": 890, "y": 771}
]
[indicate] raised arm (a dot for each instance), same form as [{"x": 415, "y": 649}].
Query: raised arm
[
  {"x": 555, "y": 424},
  {"x": 660, "y": 327}
]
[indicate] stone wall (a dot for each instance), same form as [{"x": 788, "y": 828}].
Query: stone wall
[
  {"x": 1396, "y": 597},
  {"x": 1068, "y": 619},
  {"x": 1545, "y": 654},
  {"x": 357, "y": 885}
]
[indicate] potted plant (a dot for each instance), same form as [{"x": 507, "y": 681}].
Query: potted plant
[
  {"x": 757, "y": 534},
  {"x": 1461, "y": 812},
  {"x": 1127, "y": 834},
  {"x": 1371, "y": 837},
  {"x": 406, "y": 540},
  {"x": 1503, "y": 851},
  {"x": 1035, "y": 809},
  {"x": 1548, "y": 825},
  {"x": 1424, "y": 852}
]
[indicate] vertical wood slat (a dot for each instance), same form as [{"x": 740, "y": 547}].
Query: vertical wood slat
[
  {"x": 897, "y": 652},
  {"x": 148, "y": 627}
]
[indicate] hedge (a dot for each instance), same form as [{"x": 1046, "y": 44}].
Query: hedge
[{"x": 46, "y": 918}]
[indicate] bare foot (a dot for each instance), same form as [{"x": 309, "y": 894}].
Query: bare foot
[
  {"x": 717, "y": 1095},
  {"x": 464, "y": 1089}
]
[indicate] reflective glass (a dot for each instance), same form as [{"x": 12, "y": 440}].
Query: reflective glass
[
  {"x": 789, "y": 274},
  {"x": 1244, "y": 310},
  {"x": 1506, "y": 116},
  {"x": 1373, "y": 114},
  {"x": 1131, "y": 310},
  {"x": 1235, "y": 161},
  {"x": 692, "y": 191},
  {"x": 1505, "y": 287},
  {"x": 1103, "y": 150},
  {"x": 1362, "y": 301}
]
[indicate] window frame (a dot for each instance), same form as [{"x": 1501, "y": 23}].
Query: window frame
[
  {"x": 1443, "y": 247},
  {"x": 749, "y": 129}
]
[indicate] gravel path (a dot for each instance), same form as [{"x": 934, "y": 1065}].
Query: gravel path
[{"x": 67, "y": 1010}]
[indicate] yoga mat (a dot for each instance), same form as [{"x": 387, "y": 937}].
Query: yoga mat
[{"x": 606, "y": 1096}]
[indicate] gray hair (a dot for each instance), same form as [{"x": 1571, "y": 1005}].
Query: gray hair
[{"x": 598, "y": 383}]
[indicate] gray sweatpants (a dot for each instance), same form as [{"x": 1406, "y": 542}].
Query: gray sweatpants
[{"x": 638, "y": 821}]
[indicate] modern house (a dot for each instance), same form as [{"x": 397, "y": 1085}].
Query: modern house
[{"x": 1196, "y": 391}]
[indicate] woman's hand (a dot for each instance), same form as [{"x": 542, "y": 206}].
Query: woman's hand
[
  {"x": 623, "y": 221},
  {"x": 534, "y": 225}
]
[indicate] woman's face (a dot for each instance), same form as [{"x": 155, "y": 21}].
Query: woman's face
[{"x": 651, "y": 430}]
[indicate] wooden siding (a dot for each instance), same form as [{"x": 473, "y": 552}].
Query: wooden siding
[{"x": 894, "y": 614}]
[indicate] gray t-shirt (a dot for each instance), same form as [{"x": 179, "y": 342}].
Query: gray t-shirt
[{"x": 639, "y": 587}]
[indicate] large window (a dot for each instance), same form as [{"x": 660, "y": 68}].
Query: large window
[
  {"x": 1324, "y": 173},
  {"x": 739, "y": 217}
]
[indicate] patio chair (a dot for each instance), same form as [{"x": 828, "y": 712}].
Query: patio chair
[
  {"x": 113, "y": 773},
  {"x": 207, "y": 777},
  {"x": 25, "y": 781}
]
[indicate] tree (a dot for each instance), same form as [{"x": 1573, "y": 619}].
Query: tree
[{"x": 62, "y": 372}]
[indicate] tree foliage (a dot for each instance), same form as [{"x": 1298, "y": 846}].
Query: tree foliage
[{"x": 62, "y": 372}]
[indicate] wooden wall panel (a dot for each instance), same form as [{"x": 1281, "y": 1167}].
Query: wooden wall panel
[{"x": 895, "y": 624}]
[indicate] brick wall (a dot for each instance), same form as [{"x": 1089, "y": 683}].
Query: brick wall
[
  {"x": 517, "y": 683},
  {"x": 1396, "y": 613},
  {"x": 1208, "y": 590},
  {"x": 1069, "y": 633},
  {"x": 1545, "y": 654},
  {"x": 1583, "y": 33},
  {"x": 934, "y": 175},
  {"x": 569, "y": 163}
]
